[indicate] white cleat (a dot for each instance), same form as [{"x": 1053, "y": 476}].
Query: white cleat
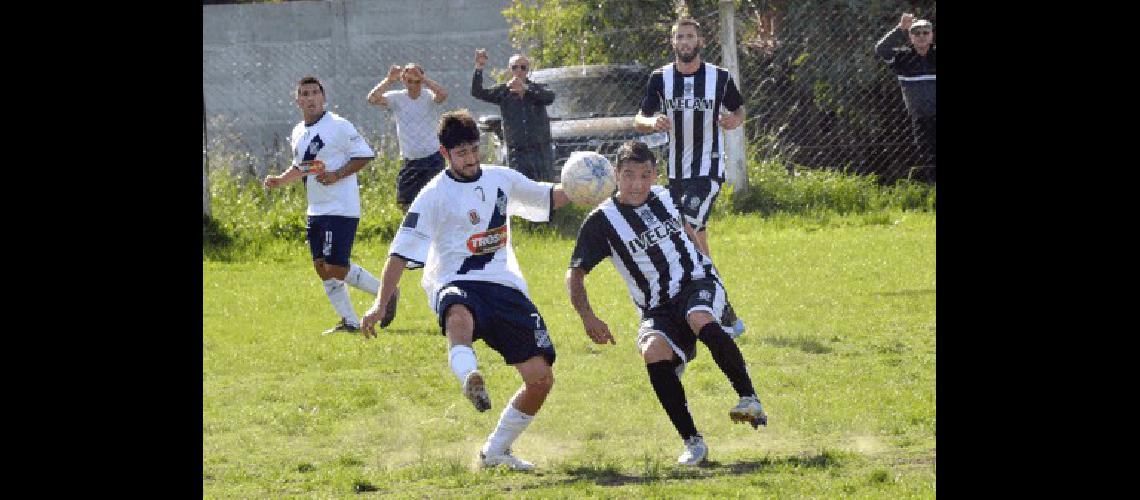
[
  {"x": 695, "y": 451},
  {"x": 749, "y": 410},
  {"x": 512, "y": 462},
  {"x": 476, "y": 391}
]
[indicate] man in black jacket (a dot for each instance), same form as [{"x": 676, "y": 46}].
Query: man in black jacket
[
  {"x": 909, "y": 50},
  {"x": 526, "y": 127}
]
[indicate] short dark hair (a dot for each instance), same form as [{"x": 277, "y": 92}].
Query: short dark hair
[
  {"x": 308, "y": 80},
  {"x": 457, "y": 127},
  {"x": 636, "y": 151},
  {"x": 686, "y": 21}
]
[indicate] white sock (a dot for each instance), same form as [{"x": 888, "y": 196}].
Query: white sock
[
  {"x": 341, "y": 302},
  {"x": 511, "y": 423},
  {"x": 462, "y": 361},
  {"x": 359, "y": 277}
]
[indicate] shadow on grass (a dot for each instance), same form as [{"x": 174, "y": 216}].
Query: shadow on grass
[
  {"x": 610, "y": 475},
  {"x": 908, "y": 292},
  {"x": 805, "y": 344},
  {"x": 217, "y": 243},
  {"x": 434, "y": 331}
]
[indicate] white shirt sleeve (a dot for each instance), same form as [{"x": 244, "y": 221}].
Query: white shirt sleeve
[
  {"x": 530, "y": 200},
  {"x": 394, "y": 101},
  {"x": 354, "y": 145},
  {"x": 413, "y": 239}
]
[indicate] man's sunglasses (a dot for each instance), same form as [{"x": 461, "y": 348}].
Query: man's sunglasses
[
  {"x": 920, "y": 33},
  {"x": 519, "y": 66}
]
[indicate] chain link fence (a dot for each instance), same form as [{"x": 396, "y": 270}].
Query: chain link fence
[{"x": 816, "y": 94}]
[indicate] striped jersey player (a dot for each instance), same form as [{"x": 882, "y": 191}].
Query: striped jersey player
[
  {"x": 696, "y": 100},
  {"x": 674, "y": 285}
]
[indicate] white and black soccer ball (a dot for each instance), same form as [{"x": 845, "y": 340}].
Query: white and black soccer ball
[{"x": 588, "y": 178}]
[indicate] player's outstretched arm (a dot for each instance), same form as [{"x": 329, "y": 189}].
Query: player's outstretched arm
[
  {"x": 272, "y": 181},
  {"x": 597, "y": 329},
  {"x": 393, "y": 269},
  {"x": 560, "y": 198}
]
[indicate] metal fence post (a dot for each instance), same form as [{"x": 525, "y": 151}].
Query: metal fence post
[
  {"x": 735, "y": 171},
  {"x": 205, "y": 163}
]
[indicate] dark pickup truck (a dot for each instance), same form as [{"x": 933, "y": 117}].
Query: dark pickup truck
[{"x": 593, "y": 110}]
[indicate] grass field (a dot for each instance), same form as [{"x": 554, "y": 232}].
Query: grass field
[{"x": 841, "y": 345}]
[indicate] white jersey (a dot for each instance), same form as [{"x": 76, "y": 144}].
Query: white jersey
[
  {"x": 334, "y": 141},
  {"x": 460, "y": 230},
  {"x": 416, "y": 120}
]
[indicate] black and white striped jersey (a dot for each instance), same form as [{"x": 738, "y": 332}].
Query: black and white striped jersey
[
  {"x": 647, "y": 245},
  {"x": 692, "y": 102}
]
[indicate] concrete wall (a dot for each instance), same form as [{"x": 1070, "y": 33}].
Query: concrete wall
[{"x": 253, "y": 55}]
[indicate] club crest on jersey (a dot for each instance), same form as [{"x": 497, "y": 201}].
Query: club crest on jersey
[
  {"x": 688, "y": 88},
  {"x": 694, "y": 203},
  {"x": 474, "y": 216},
  {"x": 705, "y": 295},
  {"x": 646, "y": 215},
  {"x": 488, "y": 241}
]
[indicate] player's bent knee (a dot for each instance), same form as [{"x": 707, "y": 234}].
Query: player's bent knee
[
  {"x": 654, "y": 349},
  {"x": 698, "y": 320},
  {"x": 541, "y": 385},
  {"x": 460, "y": 324}
]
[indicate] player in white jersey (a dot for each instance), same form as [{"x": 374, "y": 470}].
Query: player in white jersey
[
  {"x": 458, "y": 228},
  {"x": 673, "y": 284},
  {"x": 699, "y": 99},
  {"x": 327, "y": 153}
]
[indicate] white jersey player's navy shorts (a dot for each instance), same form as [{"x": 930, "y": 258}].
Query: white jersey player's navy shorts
[
  {"x": 694, "y": 199},
  {"x": 330, "y": 237},
  {"x": 706, "y": 294},
  {"x": 504, "y": 318}
]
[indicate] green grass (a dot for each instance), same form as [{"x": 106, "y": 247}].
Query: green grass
[{"x": 841, "y": 344}]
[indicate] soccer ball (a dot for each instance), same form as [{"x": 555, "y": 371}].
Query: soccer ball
[{"x": 588, "y": 178}]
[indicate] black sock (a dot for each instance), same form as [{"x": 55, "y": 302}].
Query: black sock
[
  {"x": 727, "y": 356},
  {"x": 671, "y": 394}
]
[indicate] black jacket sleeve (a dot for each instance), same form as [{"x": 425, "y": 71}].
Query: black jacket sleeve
[{"x": 477, "y": 91}]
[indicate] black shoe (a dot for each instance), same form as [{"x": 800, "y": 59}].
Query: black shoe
[
  {"x": 343, "y": 326},
  {"x": 729, "y": 316},
  {"x": 390, "y": 311}
]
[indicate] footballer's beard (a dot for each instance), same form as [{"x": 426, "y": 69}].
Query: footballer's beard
[
  {"x": 689, "y": 57},
  {"x": 473, "y": 168}
]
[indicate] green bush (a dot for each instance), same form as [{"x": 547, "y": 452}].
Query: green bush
[
  {"x": 772, "y": 189},
  {"x": 251, "y": 220},
  {"x": 245, "y": 211}
]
